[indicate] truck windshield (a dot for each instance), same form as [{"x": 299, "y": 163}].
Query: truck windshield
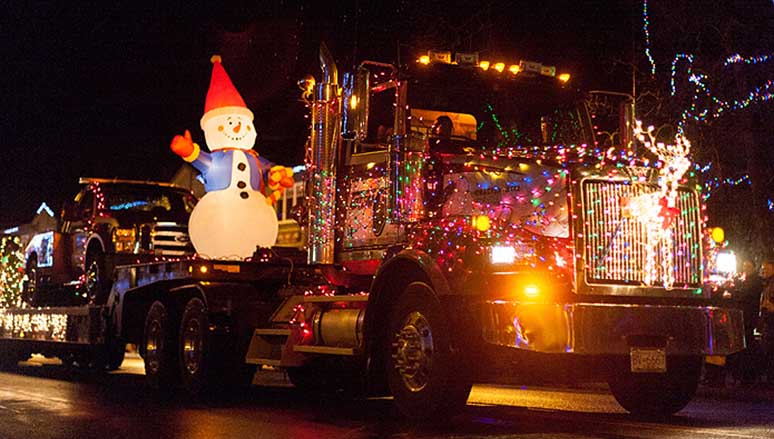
[
  {"x": 141, "y": 202},
  {"x": 528, "y": 195},
  {"x": 490, "y": 109}
]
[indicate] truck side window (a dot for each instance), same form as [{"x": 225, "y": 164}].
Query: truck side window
[
  {"x": 380, "y": 120},
  {"x": 85, "y": 204}
]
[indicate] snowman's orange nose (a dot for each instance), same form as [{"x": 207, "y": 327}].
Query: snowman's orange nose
[{"x": 237, "y": 128}]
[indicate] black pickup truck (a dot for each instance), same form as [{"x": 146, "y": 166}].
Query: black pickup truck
[{"x": 108, "y": 223}]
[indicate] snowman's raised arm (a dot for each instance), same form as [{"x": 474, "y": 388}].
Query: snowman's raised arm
[{"x": 189, "y": 151}]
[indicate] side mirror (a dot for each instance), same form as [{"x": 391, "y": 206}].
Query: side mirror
[
  {"x": 357, "y": 98},
  {"x": 72, "y": 211}
]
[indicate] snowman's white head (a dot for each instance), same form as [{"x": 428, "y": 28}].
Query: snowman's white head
[{"x": 229, "y": 128}]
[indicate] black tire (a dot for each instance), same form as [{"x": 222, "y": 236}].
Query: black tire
[
  {"x": 115, "y": 353},
  {"x": 10, "y": 357},
  {"x": 656, "y": 394},
  {"x": 160, "y": 347},
  {"x": 427, "y": 378},
  {"x": 30, "y": 288},
  {"x": 96, "y": 277},
  {"x": 194, "y": 347}
]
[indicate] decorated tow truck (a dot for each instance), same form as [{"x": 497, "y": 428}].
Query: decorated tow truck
[{"x": 462, "y": 226}]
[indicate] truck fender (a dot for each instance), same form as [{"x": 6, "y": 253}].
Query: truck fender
[{"x": 394, "y": 274}]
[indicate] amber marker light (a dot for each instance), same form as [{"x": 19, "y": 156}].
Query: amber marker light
[
  {"x": 424, "y": 59},
  {"x": 564, "y": 77},
  {"x": 481, "y": 223},
  {"x": 499, "y": 66},
  {"x": 203, "y": 269},
  {"x": 718, "y": 235},
  {"x": 531, "y": 291}
]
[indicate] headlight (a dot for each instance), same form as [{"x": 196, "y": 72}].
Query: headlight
[
  {"x": 725, "y": 262},
  {"x": 518, "y": 252},
  {"x": 502, "y": 254},
  {"x": 124, "y": 240}
]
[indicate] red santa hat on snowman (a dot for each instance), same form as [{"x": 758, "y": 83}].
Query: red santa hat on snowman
[{"x": 222, "y": 96}]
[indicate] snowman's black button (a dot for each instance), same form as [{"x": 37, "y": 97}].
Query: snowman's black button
[
  {"x": 244, "y": 195},
  {"x": 241, "y": 184},
  {"x": 241, "y": 166}
]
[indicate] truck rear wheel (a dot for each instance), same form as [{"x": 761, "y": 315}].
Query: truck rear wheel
[
  {"x": 656, "y": 394},
  {"x": 421, "y": 364},
  {"x": 194, "y": 346},
  {"x": 160, "y": 347}
]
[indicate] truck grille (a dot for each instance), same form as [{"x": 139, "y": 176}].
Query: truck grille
[
  {"x": 171, "y": 239},
  {"x": 617, "y": 244}
]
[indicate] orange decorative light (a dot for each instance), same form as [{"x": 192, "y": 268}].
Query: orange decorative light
[
  {"x": 484, "y": 65},
  {"x": 514, "y": 69},
  {"x": 499, "y": 66},
  {"x": 424, "y": 59},
  {"x": 564, "y": 77},
  {"x": 482, "y": 223}
]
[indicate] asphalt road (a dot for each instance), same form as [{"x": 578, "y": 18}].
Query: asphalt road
[{"x": 42, "y": 399}]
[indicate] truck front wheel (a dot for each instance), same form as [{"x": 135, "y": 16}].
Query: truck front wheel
[
  {"x": 420, "y": 362},
  {"x": 656, "y": 394},
  {"x": 159, "y": 347},
  {"x": 96, "y": 277}
]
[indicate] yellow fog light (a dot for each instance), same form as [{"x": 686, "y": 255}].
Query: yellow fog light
[
  {"x": 481, "y": 223},
  {"x": 718, "y": 235},
  {"x": 531, "y": 291}
]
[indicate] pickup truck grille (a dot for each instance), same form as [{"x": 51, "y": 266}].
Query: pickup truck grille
[
  {"x": 617, "y": 244},
  {"x": 171, "y": 239}
]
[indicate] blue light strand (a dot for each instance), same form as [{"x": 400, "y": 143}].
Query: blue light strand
[
  {"x": 739, "y": 59},
  {"x": 761, "y": 93},
  {"x": 645, "y": 28}
]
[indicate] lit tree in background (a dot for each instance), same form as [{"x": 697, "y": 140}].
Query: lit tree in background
[
  {"x": 707, "y": 69},
  {"x": 11, "y": 271}
]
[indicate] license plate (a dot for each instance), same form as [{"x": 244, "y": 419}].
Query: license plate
[{"x": 648, "y": 360}]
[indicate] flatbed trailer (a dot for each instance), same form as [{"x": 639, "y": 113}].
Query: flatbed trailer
[{"x": 236, "y": 297}]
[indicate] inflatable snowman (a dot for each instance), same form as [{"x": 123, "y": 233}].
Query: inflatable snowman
[{"x": 234, "y": 217}]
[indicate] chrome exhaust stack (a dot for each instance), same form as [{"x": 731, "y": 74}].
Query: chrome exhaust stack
[{"x": 321, "y": 162}]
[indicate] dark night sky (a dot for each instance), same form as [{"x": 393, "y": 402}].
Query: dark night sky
[{"x": 99, "y": 90}]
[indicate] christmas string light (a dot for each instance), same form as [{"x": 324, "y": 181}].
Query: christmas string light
[
  {"x": 716, "y": 106},
  {"x": 739, "y": 59},
  {"x": 645, "y": 28}
]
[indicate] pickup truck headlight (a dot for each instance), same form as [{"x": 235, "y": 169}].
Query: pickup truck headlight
[
  {"x": 502, "y": 255},
  {"x": 124, "y": 240},
  {"x": 514, "y": 253}
]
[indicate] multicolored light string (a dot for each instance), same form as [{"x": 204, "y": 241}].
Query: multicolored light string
[
  {"x": 739, "y": 59},
  {"x": 645, "y": 28},
  {"x": 716, "y": 107}
]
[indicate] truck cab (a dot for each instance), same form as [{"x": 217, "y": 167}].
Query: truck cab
[
  {"x": 497, "y": 233},
  {"x": 108, "y": 223}
]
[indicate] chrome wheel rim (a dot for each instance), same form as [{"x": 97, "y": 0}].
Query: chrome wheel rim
[
  {"x": 153, "y": 344},
  {"x": 192, "y": 345},
  {"x": 92, "y": 278},
  {"x": 413, "y": 351}
]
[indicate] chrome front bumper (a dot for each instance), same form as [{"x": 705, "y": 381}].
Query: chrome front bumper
[{"x": 611, "y": 329}]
